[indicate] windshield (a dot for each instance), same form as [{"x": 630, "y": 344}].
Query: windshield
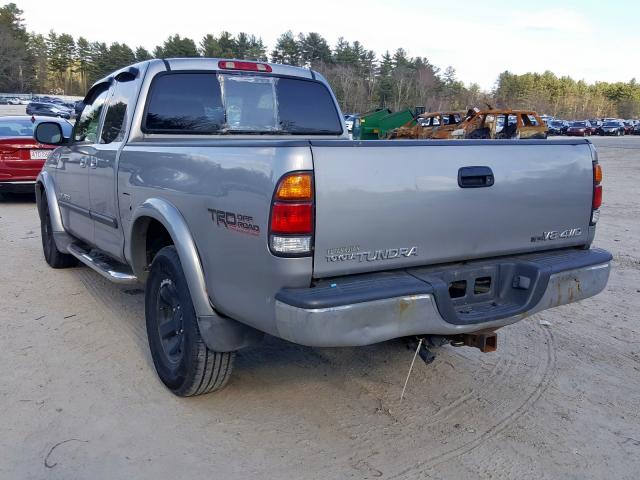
[
  {"x": 611, "y": 124},
  {"x": 579, "y": 124},
  {"x": 211, "y": 103},
  {"x": 25, "y": 127}
]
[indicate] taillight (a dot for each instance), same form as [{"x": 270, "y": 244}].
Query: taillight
[
  {"x": 246, "y": 66},
  {"x": 597, "y": 193},
  {"x": 291, "y": 225},
  {"x": 597, "y": 197},
  {"x": 292, "y": 218}
]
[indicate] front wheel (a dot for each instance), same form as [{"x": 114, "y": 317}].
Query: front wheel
[
  {"x": 54, "y": 257},
  {"x": 181, "y": 358}
]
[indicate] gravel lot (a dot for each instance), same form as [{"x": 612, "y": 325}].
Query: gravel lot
[{"x": 79, "y": 397}]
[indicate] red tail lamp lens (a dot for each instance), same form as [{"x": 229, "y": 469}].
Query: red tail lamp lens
[
  {"x": 292, "y": 218},
  {"x": 597, "y": 196}
]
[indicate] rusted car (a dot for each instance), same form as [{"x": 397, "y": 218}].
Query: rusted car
[
  {"x": 501, "y": 124},
  {"x": 435, "y": 125}
]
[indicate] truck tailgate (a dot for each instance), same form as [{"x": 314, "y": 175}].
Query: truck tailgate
[{"x": 392, "y": 204}]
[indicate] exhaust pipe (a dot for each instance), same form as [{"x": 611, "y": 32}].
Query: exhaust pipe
[{"x": 485, "y": 342}]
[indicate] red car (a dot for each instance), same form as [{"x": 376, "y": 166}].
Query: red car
[
  {"x": 580, "y": 129},
  {"x": 22, "y": 157}
]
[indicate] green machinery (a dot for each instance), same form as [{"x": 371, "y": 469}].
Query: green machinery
[{"x": 375, "y": 125}]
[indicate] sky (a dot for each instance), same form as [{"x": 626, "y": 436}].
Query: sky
[{"x": 593, "y": 41}]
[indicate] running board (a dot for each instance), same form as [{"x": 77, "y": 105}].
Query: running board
[{"x": 104, "y": 265}]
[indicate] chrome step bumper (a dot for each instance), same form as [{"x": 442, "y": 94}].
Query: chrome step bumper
[{"x": 363, "y": 310}]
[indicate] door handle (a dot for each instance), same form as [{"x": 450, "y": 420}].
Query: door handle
[
  {"x": 83, "y": 162},
  {"x": 94, "y": 163},
  {"x": 475, "y": 177}
]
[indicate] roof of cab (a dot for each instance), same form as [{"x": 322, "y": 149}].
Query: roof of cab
[{"x": 203, "y": 63}]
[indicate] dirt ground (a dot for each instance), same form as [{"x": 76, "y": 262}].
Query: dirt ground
[{"x": 79, "y": 398}]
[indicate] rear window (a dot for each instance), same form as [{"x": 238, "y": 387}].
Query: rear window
[{"x": 210, "y": 103}]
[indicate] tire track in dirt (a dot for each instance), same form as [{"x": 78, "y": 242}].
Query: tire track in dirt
[
  {"x": 547, "y": 374},
  {"x": 121, "y": 310}
]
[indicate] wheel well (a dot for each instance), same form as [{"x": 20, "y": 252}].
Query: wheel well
[
  {"x": 148, "y": 236},
  {"x": 157, "y": 237},
  {"x": 39, "y": 193}
]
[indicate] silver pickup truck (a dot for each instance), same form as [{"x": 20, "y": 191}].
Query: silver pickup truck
[{"x": 230, "y": 190}]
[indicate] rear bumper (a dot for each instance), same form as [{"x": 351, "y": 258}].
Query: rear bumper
[
  {"x": 21, "y": 186},
  {"x": 367, "y": 309}
]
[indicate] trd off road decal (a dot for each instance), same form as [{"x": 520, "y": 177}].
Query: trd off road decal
[{"x": 235, "y": 221}]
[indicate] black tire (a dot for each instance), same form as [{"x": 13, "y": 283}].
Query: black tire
[
  {"x": 182, "y": 360},
  {"x": 54, "y": 257}
]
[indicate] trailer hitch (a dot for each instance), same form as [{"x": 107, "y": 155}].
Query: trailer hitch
[
  {"x": 429, "y": 341},
  {"x": 485, "y": 342}
]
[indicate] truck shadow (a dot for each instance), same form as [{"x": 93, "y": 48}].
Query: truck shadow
[{"x": 17, "y": 198}]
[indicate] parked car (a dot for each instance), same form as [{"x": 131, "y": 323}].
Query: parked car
[
  {"x": 636, "y": 129},
  {"x": 628, "y": 127},
  {"x": 556, "y": 127},
  {"x": 22, "y": 157},
  {"x": 48, "y": 110},
  {"x": 612, "y": 127},
  {"x": 580, "y": 129},
  {"x": 272, "y": 226}
]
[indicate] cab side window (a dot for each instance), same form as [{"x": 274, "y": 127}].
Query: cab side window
[
  {"x": 118, "y": 114},
  {"x": 114, "y": 123},
  {"x": 86, "y": 129}
]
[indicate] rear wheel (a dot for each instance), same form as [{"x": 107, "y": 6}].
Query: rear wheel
[
  {"x": 54, "y": 257},
  {"x": 181, "y": 358}
]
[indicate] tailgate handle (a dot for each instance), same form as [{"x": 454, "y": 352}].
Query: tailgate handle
[{"x": 475, "y": 177}]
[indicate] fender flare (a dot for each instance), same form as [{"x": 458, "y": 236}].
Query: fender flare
[
  {"x": 220, "y": 333},
  {"x": 173, "y": 221},
  {"x": 60, "y": 236},
  {"x": 44, "y": 179}
]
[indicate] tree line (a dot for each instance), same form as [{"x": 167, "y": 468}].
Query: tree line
[{"x": 58, "y": 63}]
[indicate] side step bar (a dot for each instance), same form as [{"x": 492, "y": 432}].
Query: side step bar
[{"x": 105, "y": 266}]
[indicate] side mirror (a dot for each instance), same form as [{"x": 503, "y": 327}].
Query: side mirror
[{"x": 50, "y": 133}]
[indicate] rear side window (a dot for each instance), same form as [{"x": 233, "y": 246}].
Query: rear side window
[{"x": 211, "y": 103}]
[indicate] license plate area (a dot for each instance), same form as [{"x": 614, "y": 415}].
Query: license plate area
[{"x": 39, "y": 154}]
